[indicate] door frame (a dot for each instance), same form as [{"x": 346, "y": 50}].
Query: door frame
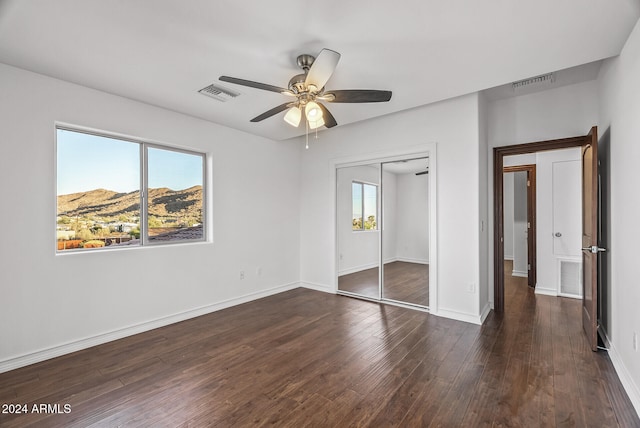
[
  {"x": 498, "y": 202},
  {"x": 531, "y": 219}
]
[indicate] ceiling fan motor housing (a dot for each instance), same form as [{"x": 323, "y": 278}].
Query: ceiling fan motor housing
[
  {"x": 296, "y": 84},
  {"x": 305, "y": 61}
]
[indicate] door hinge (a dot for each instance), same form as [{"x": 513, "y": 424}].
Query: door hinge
[
  {"x": 529, "y": 267},
  {"x": 528, "y": 183}
]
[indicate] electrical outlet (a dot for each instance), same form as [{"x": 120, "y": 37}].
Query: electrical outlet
[
  {"x": 241, "y": 274},
  {"x": 471, "y": 288},
  {"x": 259, "y": 271},
  {"x": 635, "y": 341}
]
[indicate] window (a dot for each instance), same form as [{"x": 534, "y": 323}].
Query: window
[
  {"x": 365, "y": 206},
  {"x": 99, "y": 199}
]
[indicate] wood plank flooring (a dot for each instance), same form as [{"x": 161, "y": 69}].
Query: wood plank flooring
[
  {"x": 403, "y": 281},
  {"x": 305, "y": 358}
]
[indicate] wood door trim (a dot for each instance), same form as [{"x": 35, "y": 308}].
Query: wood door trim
[
  {"x": 498, "y": 201},
  {"x": 532, "y": 239}
]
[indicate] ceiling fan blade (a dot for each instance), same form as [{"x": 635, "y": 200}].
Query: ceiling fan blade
[
  {"x": 422, "y": 172},
  {"x": 357, "y": 96},
  {"x": 269, "y": 113},
  {"x": 329, "y": 120},
  {"x": 257, "y": 85},
  {"x": 322, "y": 68}
]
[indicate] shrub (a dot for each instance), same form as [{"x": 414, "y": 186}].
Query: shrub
[
  {"x": 70, "y": 244},
  {"x": 93, "y": 244}
]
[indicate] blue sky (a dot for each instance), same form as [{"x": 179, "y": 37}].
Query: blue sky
[
  {"x": 370, "y": 197},
  {"x": 87, "y": 162},
  {"x": 174, "y": 170}
]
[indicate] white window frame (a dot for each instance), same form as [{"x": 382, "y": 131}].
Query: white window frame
[
  {"x": 143, "y": 145},
  {"x": 362, "y": 184}
]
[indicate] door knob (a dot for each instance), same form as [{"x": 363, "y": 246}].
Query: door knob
[{"x": 558, "y": 234}]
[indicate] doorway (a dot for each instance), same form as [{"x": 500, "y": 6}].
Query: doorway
[
  {"x": 523, "y": 221},
  {"x": 590, "y": 221},
  {"x": 499, "y": 153}
]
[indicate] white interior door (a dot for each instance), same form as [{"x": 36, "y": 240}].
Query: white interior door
[
  {"x": 567, "y": 230},
  {"x": 567, "y": 208}
]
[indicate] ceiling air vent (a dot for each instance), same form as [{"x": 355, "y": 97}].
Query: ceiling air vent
[
  {"x": 219, "y": 92},
  {"x": 533, "y": 82}
]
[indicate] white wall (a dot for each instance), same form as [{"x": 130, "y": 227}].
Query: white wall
[
  {"x": 619, "y": 87},
  {"x": 507, "y": 203},
  {"x": 547, "y": 115},
  {"x": 520, "y": 250},
  {"x": 453, "y": 126},
  {"x": 412, "y": 218},
  {"x": 483, "y": 207},
  {"x": 390, "y": 214},
  {"x": 49, "y": 300}
]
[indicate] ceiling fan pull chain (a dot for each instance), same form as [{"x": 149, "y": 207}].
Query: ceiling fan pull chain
[{"x": 306, "y": 123}]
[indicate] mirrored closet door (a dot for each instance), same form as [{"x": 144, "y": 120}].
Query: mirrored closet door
[
  {"x": 405, "y": 237},
  {"x": 382, "y": 220},
  {"x": 358, "y": 207}
]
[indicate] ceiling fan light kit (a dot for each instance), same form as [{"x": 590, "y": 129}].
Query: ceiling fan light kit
[
  {"x": 308, "y": 89},
  {"x": 312, "y": 111},
  {"x": 293, "y": 116}
]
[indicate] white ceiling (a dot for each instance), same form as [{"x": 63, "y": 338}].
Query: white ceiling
[
  {"x": 162, "y": 52},
  {"x": 407, "y": 166}
]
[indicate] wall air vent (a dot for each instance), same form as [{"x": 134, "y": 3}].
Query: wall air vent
[
  {"x": 545, "y": 79},
  {"x": 219, "y": 92},
  {"x": 571, "y": 278}
]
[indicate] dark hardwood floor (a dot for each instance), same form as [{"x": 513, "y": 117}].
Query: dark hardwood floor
[
  {"x": 305, "y": 358},
  {"x": 405, "y": 282}
]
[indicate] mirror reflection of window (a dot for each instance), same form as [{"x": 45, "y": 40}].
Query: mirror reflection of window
[
  {"x": 358, "y": 232},
  {"x": 365, "y": 206}
]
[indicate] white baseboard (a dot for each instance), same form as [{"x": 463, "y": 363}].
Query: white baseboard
[
  {"x": 508, "y": 257},
  {"x": 318, "y": 287},
  {"x": 632, "y": 389},
  {"x": 360, "y": 268},
  {"x": 570, "y": 296},
  {"x": 485, "y": 312},
  {"x": 519, "y": 273},
  {"x": 417, "y": 261},
  {"x": 77, "y": 345},
  {"x": 459, "y": 316},
  {"x": 546, "y": 291},
  {"x": 355, "y": 269}
]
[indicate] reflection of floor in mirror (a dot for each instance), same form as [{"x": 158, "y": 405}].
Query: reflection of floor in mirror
[{"x": 403, "y": 281}]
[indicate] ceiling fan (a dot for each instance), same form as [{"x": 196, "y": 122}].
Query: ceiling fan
[{"x": 308, "y": 90}]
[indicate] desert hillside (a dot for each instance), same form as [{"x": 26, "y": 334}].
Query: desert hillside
[{"x": 107, "y": 204}]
